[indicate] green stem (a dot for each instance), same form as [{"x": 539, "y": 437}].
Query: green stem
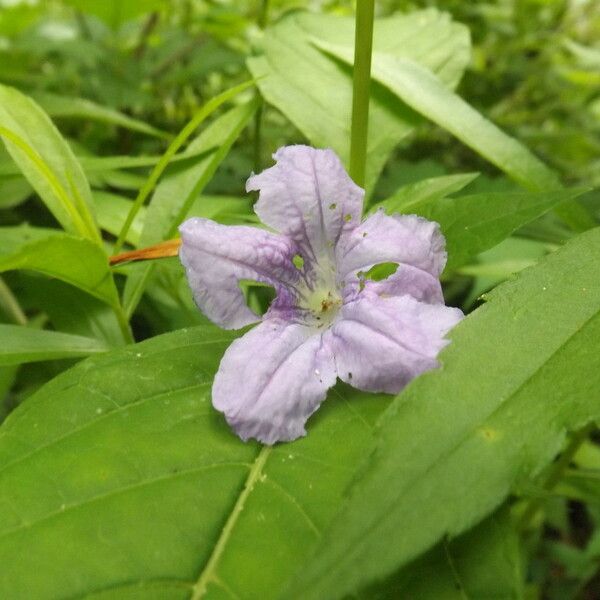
[
  {"x": 556, "y": 472},
  {"x": 261, "y": 21},
  {"x": 11, "y": 305},
  {"x": 363, "y": 46},
  {"x": 124, "y": 326}
]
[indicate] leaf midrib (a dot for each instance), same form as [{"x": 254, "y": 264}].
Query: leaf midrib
[{"x": 208, "y": 573}]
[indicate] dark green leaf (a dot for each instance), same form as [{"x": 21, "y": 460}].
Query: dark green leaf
[{"x": 133, "y": 433}]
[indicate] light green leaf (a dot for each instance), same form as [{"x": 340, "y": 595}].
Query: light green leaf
[
  {"x": 115, "y": 12},
  {"x": 81, "y": 108},
  {"x": 20, "y": 344},
  {"x": 176, "y": 193},
  {"x": 423, "y": 91},
  {"x": 76, "y": 261},
  {"x": 420, "y": 89},
  {"x": 315, "y": 92},
  {"x": 133, "y": 433},
  {"x": 472, "y": 224},
  {"x": 410, "y": 197},
  {"x": 47, "y": 162},
  {"x": 519, "y": 373}
]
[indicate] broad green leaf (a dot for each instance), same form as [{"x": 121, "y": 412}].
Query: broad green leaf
[
  {"x": 315, "y": 92},
  {"x": 76, "y": 261},
  {"x": 519, "y": 373},
  {"x": 20, "y": 344},
  {"x": 182, "y": 184},
  {"x": 475, "y": 223},
  {"x": 15, "y": 190},
  {"x": 483, "y": 563},
  {"x": 47, "y": 162},
  {"x": 124, "y": 465},
  {"x": 410, "y": 197},
  {"x": 81, "y": 108}
]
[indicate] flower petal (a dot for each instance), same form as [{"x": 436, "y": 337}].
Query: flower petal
[
  {"x": 272, "y": 379},
  {"x": 380, "y": 344},
  {"x": 309, "y": 196},
  {"x": 216, "y": 257},
  {"x": 407, "y": 280},
  {"x": 403, "y": 239}
]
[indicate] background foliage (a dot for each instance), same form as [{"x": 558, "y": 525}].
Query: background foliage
[{"x": 118, "y": 479}]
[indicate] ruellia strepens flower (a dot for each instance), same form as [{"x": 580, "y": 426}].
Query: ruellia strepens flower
[{"x": 328, "y": 319}]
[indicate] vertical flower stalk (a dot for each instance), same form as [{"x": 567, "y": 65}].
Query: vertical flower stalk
[{"x": 363, "y": 45}]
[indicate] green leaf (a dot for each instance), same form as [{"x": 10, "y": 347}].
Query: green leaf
[
  {"x": 69, "y": 309},
  {"x": 483, "y": 563},
  {"x": 81, "y": 108},
  {"x": 112, "y": 210},
  {"x": 132, "y": 433},
  {"x": 47, "y": 162},
  {"x": 472, "y": 224},
  {"x": 115, "y": 12},
  {"x": 19, "y": 344},
  {"x": 176, "y": 193},
  {"x": 420, "y": 89},
  {"x": 520, "y": 372},
  {"x": 182, "y": 137},
  {"x": 315, "y": 92},
  {"x": 410, "y": 197},
  {"x": 76, "y": 261}
]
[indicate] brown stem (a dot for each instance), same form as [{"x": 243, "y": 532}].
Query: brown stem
[{"x": 162, "y": 250}]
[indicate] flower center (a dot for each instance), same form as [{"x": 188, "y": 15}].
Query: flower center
[{"x": 323, "y": 305}]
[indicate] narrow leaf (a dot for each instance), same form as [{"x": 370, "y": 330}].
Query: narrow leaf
[
  {"x": 409, "y": 198},
  {"x": 174, "y": 146},
  {"x": 175, "y": 195},
  {"x": 472, "y": 224},
  {"x": 47, "y": 162},
  {"x": 81, "y": 108},
  {"x": 19, "y": 344}
]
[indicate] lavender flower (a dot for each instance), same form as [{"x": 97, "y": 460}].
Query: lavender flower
[{"x": 327, "y": 319}]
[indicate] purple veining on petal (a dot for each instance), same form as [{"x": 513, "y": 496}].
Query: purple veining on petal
[
  {"x": 217, "y": 257},
  {"x": 328, "y": 320},
  {"x": 272, "y": 379},
  {"x": 308, "y": 196}
]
